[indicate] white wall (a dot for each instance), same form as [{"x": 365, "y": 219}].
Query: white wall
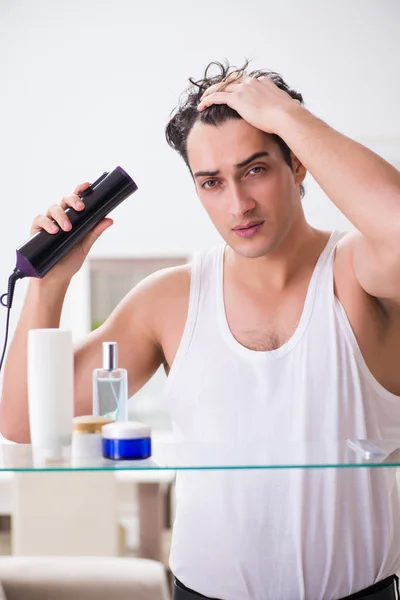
[{"x": 89, "y": 84}]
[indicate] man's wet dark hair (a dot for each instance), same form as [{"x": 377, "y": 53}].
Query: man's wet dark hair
[{"x": 186, "y": 114}]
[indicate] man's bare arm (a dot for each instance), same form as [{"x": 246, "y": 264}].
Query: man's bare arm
[
  {"x": 130, "y": 325},
  {"x": 365, "y": 188}
]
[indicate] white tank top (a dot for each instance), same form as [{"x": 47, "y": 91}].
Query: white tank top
[{"x": 280, "y": 534}]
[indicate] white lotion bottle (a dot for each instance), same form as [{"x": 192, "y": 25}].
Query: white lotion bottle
[
  {"x": 50, "y": 360},
  {"x": 110, "y": 386}
]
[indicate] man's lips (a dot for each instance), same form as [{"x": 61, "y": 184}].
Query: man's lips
[
  {"x": 248, "y": 230},
  {"x": 247, "y": 225}
]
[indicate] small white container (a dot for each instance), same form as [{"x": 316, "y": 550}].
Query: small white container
[{"x": 86, "y": 436}]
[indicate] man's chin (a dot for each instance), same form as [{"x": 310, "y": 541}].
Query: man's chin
[{"x": 251, "y": 248}]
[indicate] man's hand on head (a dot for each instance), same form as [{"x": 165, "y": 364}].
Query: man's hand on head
[{"x": 257, "y": 100}]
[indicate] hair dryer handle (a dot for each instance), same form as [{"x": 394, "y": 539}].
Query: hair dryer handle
[{"x": 42, "y": 251}]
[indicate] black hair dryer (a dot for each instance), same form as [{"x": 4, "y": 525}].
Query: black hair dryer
[{"x": 43, "y": 250}]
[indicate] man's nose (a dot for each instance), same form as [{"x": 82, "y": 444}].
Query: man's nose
[{"x": 240, "y": 201}]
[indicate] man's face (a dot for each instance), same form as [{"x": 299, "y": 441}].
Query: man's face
[{"x": 242, "y": 179}]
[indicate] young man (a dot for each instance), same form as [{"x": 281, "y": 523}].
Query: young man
[{"x": 284, "y": 332}]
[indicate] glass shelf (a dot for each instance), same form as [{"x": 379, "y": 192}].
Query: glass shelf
[{"x": 176, "y": 456}]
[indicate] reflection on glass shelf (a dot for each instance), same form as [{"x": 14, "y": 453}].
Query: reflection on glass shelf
[{"x": 170, "y": 455}]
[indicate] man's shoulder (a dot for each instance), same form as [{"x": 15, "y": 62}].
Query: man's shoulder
[
  {"x": 344, "y": 263},
  {"x": 176, "y": 280},
  {"x": 156, "y": 291},
  {"x": 364, "y": 311},
  {"x": 171, "y": 279},
  {"x": 166, "y": 302}
]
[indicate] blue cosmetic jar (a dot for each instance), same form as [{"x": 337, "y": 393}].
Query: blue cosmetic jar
[{"x": 126, "y": 440}]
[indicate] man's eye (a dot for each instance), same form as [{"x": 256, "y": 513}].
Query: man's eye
[
  {"x": 257, "y": 170},
  {"x": 210, "y": 184}
]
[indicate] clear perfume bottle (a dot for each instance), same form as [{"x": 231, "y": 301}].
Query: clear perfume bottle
[{"x": 110, "y": 386}]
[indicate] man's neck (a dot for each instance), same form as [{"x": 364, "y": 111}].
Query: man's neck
[{"x": 277, "y": 269}]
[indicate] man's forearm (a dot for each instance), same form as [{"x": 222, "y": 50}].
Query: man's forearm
[
  {"x": 42, "y": 309},
  {"x": 364, "y": 187}
]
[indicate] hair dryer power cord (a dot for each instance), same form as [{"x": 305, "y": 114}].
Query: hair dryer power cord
[{"x": 6, "y": 300}]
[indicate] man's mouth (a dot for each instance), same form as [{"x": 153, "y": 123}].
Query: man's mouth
[
  {"x": 248, "y": 225},
  {"x": 249, "y": 229}
]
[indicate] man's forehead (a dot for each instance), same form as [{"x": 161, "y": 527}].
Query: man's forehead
[{"x": 208, "y": 146}]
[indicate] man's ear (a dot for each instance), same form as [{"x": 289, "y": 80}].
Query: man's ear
[{"x": 299, "y": 169}]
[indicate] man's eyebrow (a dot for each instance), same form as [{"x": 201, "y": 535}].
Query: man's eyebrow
[
  {"x": 240, "y": 165},
  {"x": 206, "y": 173},
  {"x": 247, "y": 161}
]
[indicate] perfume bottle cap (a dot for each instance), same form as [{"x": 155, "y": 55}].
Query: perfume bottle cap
[{"x": 110, "y": 356}]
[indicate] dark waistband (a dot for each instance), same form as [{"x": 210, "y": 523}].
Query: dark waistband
[{"x": 387, "y": 589}]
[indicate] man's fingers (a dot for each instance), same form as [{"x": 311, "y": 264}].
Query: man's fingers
[
  {"x": 216, "y": 87},
  {"x": 72, "y": 200},
  {"x": 43, "y": 222},
  {"x": 56, "y": 212},
  {"x": 216, "y": 98},
  {"x": 226, "y": 84},
  {"x": 81, "y": 188},
  {"x": 232, "y": 79}
]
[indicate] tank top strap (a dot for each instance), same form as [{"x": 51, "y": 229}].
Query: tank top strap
[
  {"x": 202, "y": 277},
  {"x": 323, "y": 274}
]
